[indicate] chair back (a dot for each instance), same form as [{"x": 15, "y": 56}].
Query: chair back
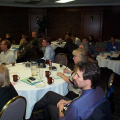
[
  {"x": 110, "y": 92},
  {"x": 111, "y": 79},
  {"x": 101, "y": 112},
  {"x": 61, "y": 58},
  {"x": 14, "y": 109}
]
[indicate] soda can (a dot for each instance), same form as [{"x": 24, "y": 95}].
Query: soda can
[{"x": 50, "y": 63}]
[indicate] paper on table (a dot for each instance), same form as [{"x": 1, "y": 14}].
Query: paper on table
[
  {"x": 31, "y": 82},
  {"x": 57, "y": 77}
]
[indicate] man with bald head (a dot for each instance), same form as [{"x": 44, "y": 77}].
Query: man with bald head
[{"x": 34, "y": 40}]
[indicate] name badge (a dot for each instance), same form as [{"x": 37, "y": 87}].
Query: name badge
[{"x": 114, "y": 47}]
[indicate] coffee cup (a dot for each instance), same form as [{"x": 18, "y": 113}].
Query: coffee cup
[
  {"x": 16, "y": 78},
  {"x": 13, "y": 64},
  {"x": 50, "y": 80},
  {"x": 47, "y": 73},
  {"x": 47, "y": 61},
  {"x": 3, "y": 63}
]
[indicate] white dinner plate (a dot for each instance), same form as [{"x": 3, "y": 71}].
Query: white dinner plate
[{"x": 41, "y": 84}]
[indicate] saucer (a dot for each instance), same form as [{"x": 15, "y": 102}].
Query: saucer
[{"x": 41, "y": 84}]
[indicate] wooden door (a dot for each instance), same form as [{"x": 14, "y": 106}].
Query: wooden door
[
  {"x": 33, "y": 23},
  {"x": 92, "y": 24}
]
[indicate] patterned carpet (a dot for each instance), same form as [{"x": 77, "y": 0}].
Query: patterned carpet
[{"x": 105, "y": 73}]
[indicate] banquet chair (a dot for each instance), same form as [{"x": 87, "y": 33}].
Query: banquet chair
[
  {"x": 14, "y": 109},
  {"x": 101, "y": 111},
  {"x": 111, "y": 79},
  {"x": 110, "y": 92},
  {"x": 61, "y": 58}
]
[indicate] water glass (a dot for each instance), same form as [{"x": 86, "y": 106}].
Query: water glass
[
  {"x": 34, "y": 68},
  {"x": 40, "y": 73}
]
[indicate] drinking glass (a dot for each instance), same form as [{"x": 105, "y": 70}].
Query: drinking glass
[
  {"x": 40, "y": 73},
  {"x": 34, "y": 68}
]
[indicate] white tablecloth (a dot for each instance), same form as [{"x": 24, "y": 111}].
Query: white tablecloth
[
  {"x": 114, "y": 65},
  {"x": 31, "y": 93},
  {"x": 55, "y": 44}
]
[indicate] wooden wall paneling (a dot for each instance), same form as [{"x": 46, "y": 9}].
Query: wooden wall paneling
[
  {"x": 13, "y": 21},
  {"x": 111, "y": 22},
  {"x": 62, "y": 20}
]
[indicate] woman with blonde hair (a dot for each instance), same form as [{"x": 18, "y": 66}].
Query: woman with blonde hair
[
  {"x": 7, "y": 91},
  {"x": 79, "y": 55}
]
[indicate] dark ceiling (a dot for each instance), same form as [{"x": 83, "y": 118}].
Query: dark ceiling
[{"x": 51, "y": 3}]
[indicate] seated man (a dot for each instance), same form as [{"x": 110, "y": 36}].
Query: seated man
[
  {"x": 112, "y": 45},
  {"x": 34, "y": 40},
  {"x": 49, "y": 52},
  {"x": 23, "y": 45},
  {"x": 76, "y": 40},
  {"x": 89, "y": 48},
  {"x": 87, "y": 77},
  {"x": 67, "y": 35},
  {"x": 25, "y": 51},
  {"x": 6, "y": 56}
]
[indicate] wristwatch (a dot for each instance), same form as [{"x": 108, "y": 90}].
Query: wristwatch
[{"x": 60, "y": 111}]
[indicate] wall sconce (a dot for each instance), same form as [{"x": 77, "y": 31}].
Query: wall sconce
[{"x": 91, "y": 18}]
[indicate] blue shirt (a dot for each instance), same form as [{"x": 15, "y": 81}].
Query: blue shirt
[
  {"x": 110, "y": 47},
  {"x": 49, "y": 53},
  {"x": 82, "y": 108}
]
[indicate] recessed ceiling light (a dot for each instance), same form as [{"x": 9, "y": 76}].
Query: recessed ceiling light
[{"x": 64, "y": 1}]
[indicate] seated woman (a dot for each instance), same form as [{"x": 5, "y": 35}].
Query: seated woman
[
  {"x": 112, "y": 45},
  {"x": 79, "y": 56},
  {"x": 7, "y": 91}
]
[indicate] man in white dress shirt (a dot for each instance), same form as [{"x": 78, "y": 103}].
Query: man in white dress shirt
[
  {"x": 76, "y": 40},
  {"x": 6, "y": 56}
]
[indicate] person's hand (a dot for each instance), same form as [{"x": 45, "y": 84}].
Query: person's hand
[
  {"x": 59, "y": 74},
  {"x": 62, "y": 103},
  {"x": 18, "y": 55},
  {"x": 66, "y": 70}
]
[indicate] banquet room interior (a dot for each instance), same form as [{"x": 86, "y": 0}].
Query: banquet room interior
[{"x": 79, "y": 17}]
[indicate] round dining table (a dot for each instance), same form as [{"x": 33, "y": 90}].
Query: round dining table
[
  {"x": 34, "y": 93},
  {"x": 113, "y": 65}
]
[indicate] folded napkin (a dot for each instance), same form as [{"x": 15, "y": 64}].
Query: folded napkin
[{"x": 30, "y": 82}]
